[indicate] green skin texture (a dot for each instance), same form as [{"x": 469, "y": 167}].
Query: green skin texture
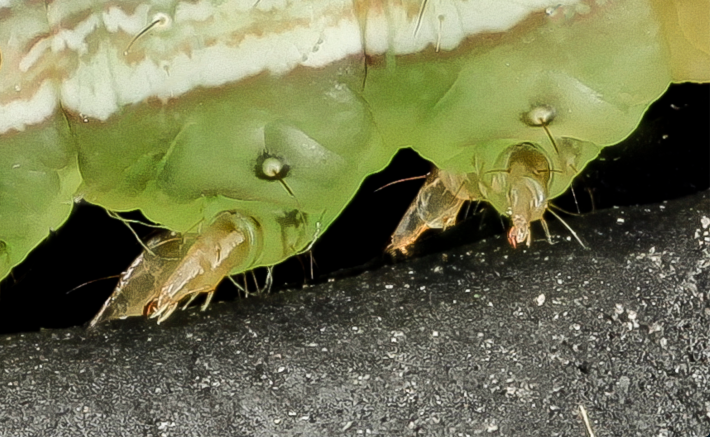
[{"x": 183, "y": 163}]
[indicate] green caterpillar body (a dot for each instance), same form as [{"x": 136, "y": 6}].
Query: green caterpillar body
[{"x": 278, "y": 110}]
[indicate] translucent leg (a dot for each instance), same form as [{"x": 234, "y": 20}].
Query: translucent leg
[
  {"x": 226, "y": 244},
  {"x": 175, "y": 268},
  {"x": 139, "y": 286},
  {"x": 435, "y": 207}
]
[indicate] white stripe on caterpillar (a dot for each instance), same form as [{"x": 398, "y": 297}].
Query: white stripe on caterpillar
[{"x": 90, "y": 59}]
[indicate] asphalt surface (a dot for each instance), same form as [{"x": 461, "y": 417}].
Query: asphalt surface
[{"x": 480, "y": 340}]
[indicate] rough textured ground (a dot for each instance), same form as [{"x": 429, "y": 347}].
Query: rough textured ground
[{"x": 482, "y": 340}]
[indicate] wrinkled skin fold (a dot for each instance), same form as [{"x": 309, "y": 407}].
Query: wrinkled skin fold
[{"x": 509, "y": 114}]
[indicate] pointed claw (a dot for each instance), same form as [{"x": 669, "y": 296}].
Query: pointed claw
[
  {"x": 164, "y": 312},
  {"x": 512, "y": 240},
  {"x": 208, "y": 299}
]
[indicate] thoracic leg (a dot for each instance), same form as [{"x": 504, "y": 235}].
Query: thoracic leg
[
  {"x": 226, "y": 244},
  {"x": 520, "y": 188},
  {"x": 139, "y": 285},
  {"x": 435, "y": 207},
  {"x": 182, "y": 267}
]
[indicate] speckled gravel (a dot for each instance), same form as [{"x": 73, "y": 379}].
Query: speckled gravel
[{"x": 482, "y": 340}]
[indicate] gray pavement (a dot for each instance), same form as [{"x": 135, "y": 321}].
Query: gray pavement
[{"x": 480, "y": 340}]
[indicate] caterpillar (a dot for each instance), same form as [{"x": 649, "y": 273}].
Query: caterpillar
[{"x": 256, "y": 121}]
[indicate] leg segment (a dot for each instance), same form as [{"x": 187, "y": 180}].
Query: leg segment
[{"x": 435, "y": 207}]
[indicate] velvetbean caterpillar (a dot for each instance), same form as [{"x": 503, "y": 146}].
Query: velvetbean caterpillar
[{"x": 252, "y": 123}]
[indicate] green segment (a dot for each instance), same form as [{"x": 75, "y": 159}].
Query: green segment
[
  {"x": 599, "y": 73},
  {"x": 184, "y": 162},
  {"x": 38, "y": 178}
]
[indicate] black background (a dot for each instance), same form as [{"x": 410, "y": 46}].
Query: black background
[{"x": 667, "y": 157}]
